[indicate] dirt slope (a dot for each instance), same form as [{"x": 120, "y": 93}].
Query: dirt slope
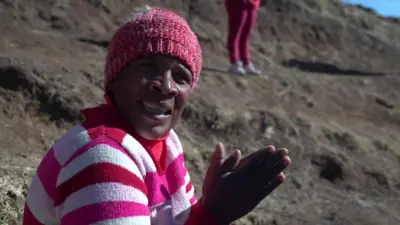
[{"x": 329, "y": 94}]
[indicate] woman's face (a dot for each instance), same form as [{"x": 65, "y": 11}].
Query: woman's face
[{"x": 152, "y": 93}]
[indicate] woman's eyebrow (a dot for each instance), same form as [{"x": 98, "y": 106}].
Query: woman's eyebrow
[{"x": 143, "y": 61}]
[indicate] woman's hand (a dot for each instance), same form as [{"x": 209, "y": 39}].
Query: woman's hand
[{"x": 234, "y": 187}]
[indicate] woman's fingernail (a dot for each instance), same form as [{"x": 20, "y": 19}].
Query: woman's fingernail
[
  {"x": 271, "y": 148},
  {"x": 286, "y": 161},
  {"x": 282, "y": 177}
]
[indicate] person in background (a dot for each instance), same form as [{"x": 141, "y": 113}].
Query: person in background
[
  {"x": 242, "y": 16},
  {"x": 124, "y": 164}
]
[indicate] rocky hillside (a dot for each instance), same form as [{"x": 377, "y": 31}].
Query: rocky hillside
[{"x": 329, "y": 94}]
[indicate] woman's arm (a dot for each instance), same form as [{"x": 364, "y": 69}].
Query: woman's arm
[{"x": 102, "y": 185}]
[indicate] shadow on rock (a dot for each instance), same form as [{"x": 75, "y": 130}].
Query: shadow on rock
[
  {"x": 98, "y": 42},
  {"x": 17, "y": 79},
  {"x": 320, "y": 67},
  {"x": 330, "y": 168}
]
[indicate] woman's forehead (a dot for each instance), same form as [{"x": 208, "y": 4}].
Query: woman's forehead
[{"x": 160, "y": 60}]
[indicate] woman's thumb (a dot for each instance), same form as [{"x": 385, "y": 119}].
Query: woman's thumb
[
  {"x": 218, "y": 155},
  {"x": 213, "y": 170}
]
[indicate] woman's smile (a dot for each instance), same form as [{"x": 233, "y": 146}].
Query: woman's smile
[{"x": 159, "y": 111}]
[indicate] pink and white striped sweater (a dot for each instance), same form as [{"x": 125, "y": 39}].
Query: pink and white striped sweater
[{"x": 97, "y": 173}]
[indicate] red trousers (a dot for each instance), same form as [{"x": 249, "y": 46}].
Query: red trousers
[{"x": 242, "y": 17}]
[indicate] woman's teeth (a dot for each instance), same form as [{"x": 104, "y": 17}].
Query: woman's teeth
[{"x": 155, "y": 108}]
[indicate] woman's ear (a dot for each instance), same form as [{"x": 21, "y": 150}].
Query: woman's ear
[
  {"x": 110, "y": 89},
  {"x": 112, "y": 85}
]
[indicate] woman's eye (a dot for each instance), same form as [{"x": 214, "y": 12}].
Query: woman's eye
[{"x": 181, "y": 77}]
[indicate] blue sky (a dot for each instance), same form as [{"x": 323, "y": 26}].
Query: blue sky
[{"x": 383, "y": 7}]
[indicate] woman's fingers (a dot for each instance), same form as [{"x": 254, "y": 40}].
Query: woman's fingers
[
  {"x": 251, "y": 163},
  {"x": 267, "y": 165},
  {"x": 230, "y": 163},
  {"x": 277, "y": 162},
  {"x": 258, "y": 154},
  {"x": 269, "y": 169},
  {"x": 275, "y": 171},
  {"x": 261, "y": 192},
  {"x": 260, "y": 169},
  {"x": 271, "y": 186},
  {"x": 284, "y": 151},
  {"x": 278, "y": 180}
]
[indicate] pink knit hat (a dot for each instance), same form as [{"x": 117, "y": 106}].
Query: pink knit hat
[{"x": 153, "y": 31}]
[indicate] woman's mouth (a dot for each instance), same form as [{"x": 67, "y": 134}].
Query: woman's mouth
[{"x": 156, "y": 109}]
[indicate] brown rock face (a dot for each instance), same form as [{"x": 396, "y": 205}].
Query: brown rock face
[{"x": 329, "y": 93}]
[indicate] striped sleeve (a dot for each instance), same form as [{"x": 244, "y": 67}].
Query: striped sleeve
[{"x": 101, "y": 185}]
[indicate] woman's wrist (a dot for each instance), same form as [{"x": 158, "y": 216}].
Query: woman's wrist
[{"x": 211, "y": 212}]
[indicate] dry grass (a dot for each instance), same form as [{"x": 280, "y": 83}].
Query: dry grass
[{"x": 13, "y": 186}]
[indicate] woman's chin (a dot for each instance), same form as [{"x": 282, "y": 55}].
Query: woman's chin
[{"x": 154, "y": 133}]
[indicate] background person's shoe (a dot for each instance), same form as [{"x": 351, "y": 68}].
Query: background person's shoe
[
  {"x": 237, "y": 68},
  {"x": 251, "y": 69}
]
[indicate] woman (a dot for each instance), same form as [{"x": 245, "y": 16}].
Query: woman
[
  {"x": 242, "y": 16},
  {"x": 124, "y": 164}
]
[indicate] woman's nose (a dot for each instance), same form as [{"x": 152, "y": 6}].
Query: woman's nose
[{"x": 165, "y": 85}]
